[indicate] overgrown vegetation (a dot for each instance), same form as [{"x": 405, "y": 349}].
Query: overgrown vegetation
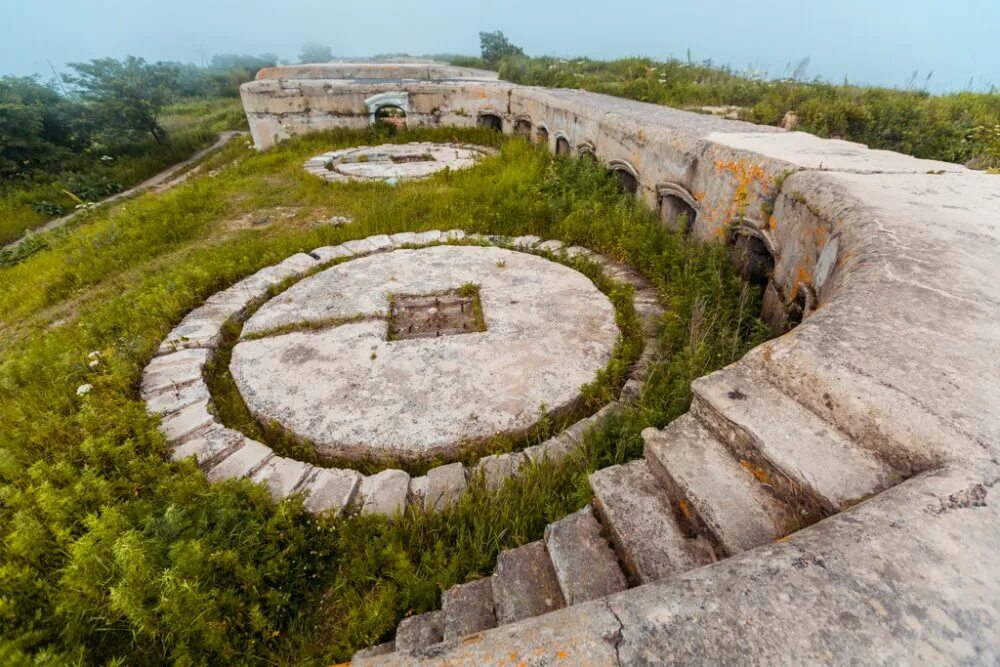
[
  {"x": 111, "y": 554},
  {"x": 960, "y": 127},
  {"x": 105, "y": 127}
]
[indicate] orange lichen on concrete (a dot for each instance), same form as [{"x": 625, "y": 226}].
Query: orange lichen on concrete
[
  {"x": 757, "y": 472},
  {"x": 746, "y": 175}
]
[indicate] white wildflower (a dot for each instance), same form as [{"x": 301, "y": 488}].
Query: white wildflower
[{"x": 84, "y": 389}]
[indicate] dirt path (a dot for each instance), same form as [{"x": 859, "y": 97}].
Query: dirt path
[{"x": 160, "y": 182}]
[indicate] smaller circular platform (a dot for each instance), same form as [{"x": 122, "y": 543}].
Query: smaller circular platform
[{"x": 393, "y": 162}]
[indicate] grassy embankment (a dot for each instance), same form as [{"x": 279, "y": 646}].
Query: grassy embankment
[
  {"x": 190, "y": 126},
  {"x": 111, "y": 554}
]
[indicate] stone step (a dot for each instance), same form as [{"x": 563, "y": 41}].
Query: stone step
[
  {"x": 803, "y": 457},
  {"x": 712, "y": 489},
  {"x": 420, "y": 631},
  {"x": 468, "y": 609},
  {"x": 638, "y": 515},
  {"x": 525, "y": 584},
  {"x": 584, "y": 563}
]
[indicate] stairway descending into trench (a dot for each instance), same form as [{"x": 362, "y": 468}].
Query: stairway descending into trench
[{"x": 746, "y": 466}]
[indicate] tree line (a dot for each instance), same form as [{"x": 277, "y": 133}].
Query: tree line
[{"x": 105, "y": 101}]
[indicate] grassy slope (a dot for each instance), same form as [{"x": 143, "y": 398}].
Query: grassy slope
[
  {"x": 191, "y": 127},
  {"x": 110, "y": 552}
]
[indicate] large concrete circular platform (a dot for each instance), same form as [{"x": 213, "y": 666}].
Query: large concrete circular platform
[
  {"x": 392, "y": 162},
  {"x": 385, "y": 356}
]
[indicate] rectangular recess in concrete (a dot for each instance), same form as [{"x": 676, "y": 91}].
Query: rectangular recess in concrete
[{"x": 449, "y": 313}]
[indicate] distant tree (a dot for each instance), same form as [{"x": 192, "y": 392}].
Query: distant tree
[
  {"x": 495, "y": 47},
  {"x": 126, "y": 95},
  {"x": 315, "y": 53},
  {"x": 39, "y": 128}
]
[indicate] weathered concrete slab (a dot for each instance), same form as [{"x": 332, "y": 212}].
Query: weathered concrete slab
[
  {"x": 726, "y": 498},
  {"x": 241, "y": 462},
  {"x": 525, "y": 584},
  {"x": 282, "y": 476},
  {"x": 331, "y": 490},
  {"x": 640, "y": 521},
  {"x": 210, "y": 446},
  {"x": 421, "y": 631},
  {"x": 585, "y": 565},
  {"x": 468, "y": 608},
  {"x": 420, "y": 398},
  {"x": 384, "y": 493},
  {"x": 187, "y": 422},
  {"x": 444, "y": 485}
]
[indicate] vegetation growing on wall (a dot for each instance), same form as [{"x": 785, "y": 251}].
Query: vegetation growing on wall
[{"x": 111, "y": 554}]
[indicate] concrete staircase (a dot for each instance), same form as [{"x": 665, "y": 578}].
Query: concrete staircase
[{"x": 746, "y": 466}]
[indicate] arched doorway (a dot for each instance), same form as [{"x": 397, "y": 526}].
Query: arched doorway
[
  {"x": 542, "y": 136},
  {"x": 627, "y": 176},
  {"x": 677, "y": 208},
  {"x": 490, "y": 121},
  {"x": 562, "y": 146},
  {"x": 751, "y": 255},
  {"x": 392, "y": 115},
  {"x": 522, "y": 128}
]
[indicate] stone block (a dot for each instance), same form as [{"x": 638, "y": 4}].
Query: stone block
[
  {"x": 331, "y": 490},
  {"x": 241, "y": 462},
  {"x": 584, "y": 564},
  {"x": 187, "y": 422},
  {"x": 444, "y": 485},
  {"x": 525, "y": 584},
  {"x": 281, "y": 475},
  {"x": 385, "y": 492},
  {"x": 421, "y": 631},
  {"x": 468, "y": 608}
]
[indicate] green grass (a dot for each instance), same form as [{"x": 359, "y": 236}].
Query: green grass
[
  {"x": 191, "y": 126},
  {"x": 112, "y": 554}
]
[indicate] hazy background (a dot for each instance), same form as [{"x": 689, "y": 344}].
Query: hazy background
[{"x": 868, "y": 41}]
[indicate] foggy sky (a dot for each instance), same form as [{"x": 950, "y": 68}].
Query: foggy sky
[{"x": 868, "y": 41}]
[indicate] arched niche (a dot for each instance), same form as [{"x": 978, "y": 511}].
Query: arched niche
[
  {"x": 678, "y": 209},
  {"x": 390, "y": 107},
  {"x": 587, "y": 150},
  {"x": 562, "y": 144},
  {"x": 542, "y": 135},
  {"x": 752, "y": 251},
  {"x": 627, "y": 175},
  {"x": 522, "y": 127},
  {"x": 490, "y": 120}
]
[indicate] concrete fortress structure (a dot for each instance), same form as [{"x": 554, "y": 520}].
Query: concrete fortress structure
[{"x": 874, "y": 420}]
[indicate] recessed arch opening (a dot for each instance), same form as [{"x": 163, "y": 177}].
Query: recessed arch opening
[
  {"x": 542, "y": 135},
  {"x": 586, "y": 150},
  {"x": 522, "y": 128},
  {"x": 678, "y": 209},
  {"x": 490, "y": 121},
  {"x": 802, "y": 305},
  {"x": 562, "y": 146},
  {"x": 390, "y": 114},
  {"x": 626, "y": 175},
  {"x": 751, "y": 254}
]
